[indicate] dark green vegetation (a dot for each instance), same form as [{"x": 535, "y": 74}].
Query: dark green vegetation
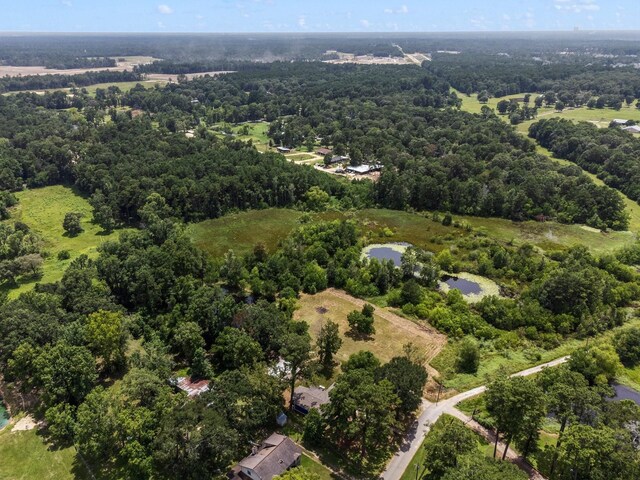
[
  {"x": 563, "y": 413},
  {"x": 93, "y": 347},
  {"x": 42, "y": 82},
  {"x": 451, "y": 451},
  {"x": 609, "y": 153}
]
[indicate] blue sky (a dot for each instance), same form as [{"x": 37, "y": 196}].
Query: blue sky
[{"x": 315, "y": 16}]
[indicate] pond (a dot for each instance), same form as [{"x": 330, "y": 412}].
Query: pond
[
  {"x": 4, "y": 415},
  {"x": 625, "y": 393},
  {"x": 387, "y": 251},
  {"x": 466, "y": 287}
]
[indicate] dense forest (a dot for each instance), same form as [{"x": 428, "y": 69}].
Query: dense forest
[
  {"x": 42, "y": 82},
  {"x": 610, "y": 153}
]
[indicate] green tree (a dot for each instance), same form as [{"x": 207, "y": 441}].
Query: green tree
[
  {"x": 598, "y": 364},
  {"x": 232, "y": 270},
  {"x": 296, "y": 351},
  {"x": 187, "y": 339},
  {"x": 71, "y": 224},
  {"x": 517, "y": 406},
  {"x": 328, "y": 344},
  {"x": 447, "y": 441},
  {"x": 361, "y": 323},
  {"x": 408, "y": 380},
  {"x": 315, "y": 278},
  {"x": 411, "y": 292},
  {"x": 316, "y": 199},
  {"x": 65, "y": 374},
  {"x": 314, "y": 427},
  {"x": 627, "y": 345},
  {"x": 234, "y": 349},
  {"x": 107, "y": 337},
  {"x": 503, "y": 106},
  {"x": 468, "y": 359}
]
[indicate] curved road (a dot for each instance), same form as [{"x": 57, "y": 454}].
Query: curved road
[{"x": 431, "y": 412}]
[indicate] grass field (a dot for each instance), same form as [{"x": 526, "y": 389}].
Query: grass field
[
  {"x": 257, "y": 133},
  {"x": 316, "y": 468},
  {"x": 25, "y": 456},
  {"x": 43, "y": 210},
  {"x": 386, "y": 343},
  {"x": 241, "y": 231}
]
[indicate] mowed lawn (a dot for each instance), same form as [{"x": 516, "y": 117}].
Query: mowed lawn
[
  {"x": 385, "y": 344},
  {"x": 25, "y": 456},
  {"x": 43, "y": 210},
  {"x": 240, "y": 232}
]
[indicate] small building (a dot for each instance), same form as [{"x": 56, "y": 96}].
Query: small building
[
  {"x": 283, "y": 149},
  {"x": 324, "y": 151},
  {"x": 362, "y": 169},
  {"x": 307, "y": 398},
  {"x": 619, "y": 121},
  {"x": 282, "y": 419},
  {"x": 276, "y": 455},
  {"x": 632, "y": 129},
  {"x": 191, "y": 387}
]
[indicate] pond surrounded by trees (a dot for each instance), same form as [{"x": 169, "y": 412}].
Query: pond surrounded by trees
[
  {"x": 466, "y": 287},
  {"x": 387, "y": 251}
]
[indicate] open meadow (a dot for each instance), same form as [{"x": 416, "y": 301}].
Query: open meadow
[
  {"x": 392, "y": 331},
  {"x": 43, "y": 210}
]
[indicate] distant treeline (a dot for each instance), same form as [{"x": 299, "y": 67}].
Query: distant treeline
[
  {"x": 182, "y": 68},
  {"x": 43, "y": 82},
  {"x": 500, "y": 75},
  {"x": 58, "y": 61}
]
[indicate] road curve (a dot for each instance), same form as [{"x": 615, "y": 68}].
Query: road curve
[{"x": 431, "y": 412}]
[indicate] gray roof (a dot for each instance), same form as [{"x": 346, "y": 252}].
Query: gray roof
[
  {"x": 309, "y": 398},
  {"x": 276, "y": 454}
]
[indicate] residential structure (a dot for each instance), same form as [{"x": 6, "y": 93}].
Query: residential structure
[
  {"x": 324, "y": 151},
  {"x": 276, "y": 455},
  {"x": 283, "y": 149},
  {"x": 632, "y": 129},
  {"x": 307, "y": 398},
  {"x": 191, "y": 387},
  {"x": 364, "y": 169}
]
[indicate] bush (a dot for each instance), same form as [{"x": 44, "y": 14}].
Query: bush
[
  {"x": 627, "y": 345},
  {"x": 468, "y": 359},
  {"x": 64, "y": 255}
]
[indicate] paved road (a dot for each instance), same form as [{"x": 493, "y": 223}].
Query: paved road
[{"x": 431, "y": 412}]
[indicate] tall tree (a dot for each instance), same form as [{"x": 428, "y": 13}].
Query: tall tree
[{"x": 328, "y": 344}]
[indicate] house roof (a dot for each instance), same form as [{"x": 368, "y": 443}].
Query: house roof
[
  {"x": 359, "y": 169},
  {"x": 620, "y": 121},
  {"x": 309, "y": 398},
  {"x": 192, "y": 388},
  {"x": 323, "y": 151},
  {"x": 632, "y": 129},
  {"x": 276, "y": 454}
]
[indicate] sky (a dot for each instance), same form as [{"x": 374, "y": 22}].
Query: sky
[{"x": 316, "y": 16}]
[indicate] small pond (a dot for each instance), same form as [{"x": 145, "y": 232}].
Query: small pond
[
  {"x": 4, "y": 415},
  {"x": 387, "y": 251},
  {"x": 466, "y": 287},
  {"x": 625, "y": 393}
]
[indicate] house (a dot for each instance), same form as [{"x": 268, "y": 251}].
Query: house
[
  {"x": 364, "y": 169},
  {"x": 632, "y": 129},
  {"x": 324, "y": 151},
  {"x": 307, "y": 398},
  {"x": 191, "y": 387},
  {"x": 283, "y": 149},
  {"x": 276, "y": 455},
  {"x": 619, "y": 121}
]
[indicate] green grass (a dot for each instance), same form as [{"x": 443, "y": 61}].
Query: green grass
[
  {"x": 43, "y": 210},
  {"x": 124, "y": 86},
  {"x": 631, "y": 377},
  {"x": 257, "y": 133},
  {"x": 316, "y": 468},
  {"x": 241, "y": 231},
  {"x": 25, "y": 456}
]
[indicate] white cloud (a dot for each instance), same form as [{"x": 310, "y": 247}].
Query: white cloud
[
  {"x": 161, "y": 25},
  {"x": 302, "y": 21},
  {"x": 67, "y": 3},
  {"x": 165, "y": 9},
  {"x": 365, "y": 23},
  {"x": 403, "y": 10},
  {"x": 576, "y": 6}
]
